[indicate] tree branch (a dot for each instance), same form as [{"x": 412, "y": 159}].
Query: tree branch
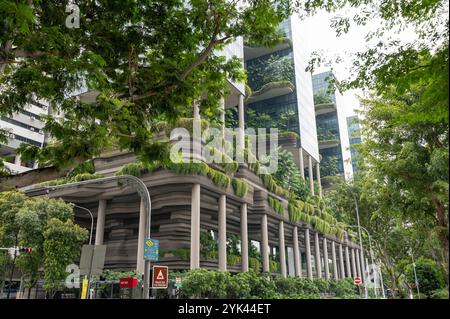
[{"x": 200, "y": 59}]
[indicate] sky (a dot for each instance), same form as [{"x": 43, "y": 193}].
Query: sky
[{"x": 322, "y": 38}]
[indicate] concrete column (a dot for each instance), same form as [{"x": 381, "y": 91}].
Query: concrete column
[
  {"x": 222, "y": 115},
  {"x": 333, "y": 257},
  {"x": 325, "y": 258},
  {"x": 195, "y": 227},
  {"x": 308, "y": 254},
  {"x": 311, "y": 176},
  {"x": 341, "y": 261},
  {"x": 244, "y": 238},
  {"x": 347, "y": 262},
  {"x": 302, "y": 164},
  {"x": 141, "y": 238},
  {"x": 222, "y": 233},
  {"x": 319, "y": 182},
  {"x": 354, "y": 273},
  {"x": 241, "y": 116},
  {"x": 282, "y": 248},
  {"x": 196, "y": 111},
  {"x": 264, "y": 244},
  {"x": 18, "y": 160},
  {"x": 317, "y": 250},
  {"x": 100, "y": 228},
  {"x": 358, "y": 263},
  {"x": 297, "y": 258}
]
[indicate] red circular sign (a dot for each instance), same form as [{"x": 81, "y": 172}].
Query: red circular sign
[{"x": 357, "y": 280}]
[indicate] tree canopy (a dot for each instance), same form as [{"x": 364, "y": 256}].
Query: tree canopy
[{"x": 145, "y": 61}]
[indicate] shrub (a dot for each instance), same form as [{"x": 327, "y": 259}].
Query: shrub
[
  {"x": 428, "y": 275},
  {"x": 342, "y": 287},
  {"x": 133, "y": 169},
  {"x": 240, "y": 187},
  {"x": 440, "y": 294},
  {"x": 218, "y": 178},
  {"x": 307, "y": 285},
  {"x": 274, "y": 265},
  {"x": 86, "y": 167},
  {"x": 276, "y": 205},
  {"x": 182, "y": 253},
  {"x": 240, "y": 286},
  {"x": 254, "y": 264},
  {"x": 202, "y": 283},
  {"x": 233, "y": 260},
  {"x": 322, "y": 285}
]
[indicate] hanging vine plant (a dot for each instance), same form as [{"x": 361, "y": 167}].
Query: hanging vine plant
[{"x": 276, "y": 205}]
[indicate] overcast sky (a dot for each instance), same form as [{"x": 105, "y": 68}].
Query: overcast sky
[{"x": 321, "y": 37}]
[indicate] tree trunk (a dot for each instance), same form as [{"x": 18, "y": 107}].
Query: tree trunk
[{"x": 442, "y": 224}]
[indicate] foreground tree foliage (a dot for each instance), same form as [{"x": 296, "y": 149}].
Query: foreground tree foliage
[
  {"x": 403, "y": 186},
  {"x": 47, "y": 226},
  {"x": 149, "y": 60},
  {"x": 145, "y": 61}
]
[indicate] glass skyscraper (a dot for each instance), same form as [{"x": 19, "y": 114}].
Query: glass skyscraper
[
  {"x": 280, "y": 84},
  {"x": 331, "y": 124}
]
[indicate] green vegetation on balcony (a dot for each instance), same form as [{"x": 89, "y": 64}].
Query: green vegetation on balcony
[
  {"x": 265, "y": 72},
  {"x": 77, "y": 178},
  {"x": 274, "y": 85},
  {"x": 325, "y": 106},
  {"x": 240, "y": 187},
  {"x": 276, "y": 205},
  {"x": 322, "y": 97},
  {"x": 270, "y": 44}
]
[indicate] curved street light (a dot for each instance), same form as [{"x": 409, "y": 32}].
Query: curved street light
[
  {"x": 372, "y": 260},
  {"x": 142, "y": 190},
  {"x": 92, "y": 221}
]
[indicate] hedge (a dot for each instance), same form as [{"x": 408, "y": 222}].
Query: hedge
[{"x": 202, "y": 283}]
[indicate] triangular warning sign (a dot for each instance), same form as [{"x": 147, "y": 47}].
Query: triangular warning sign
[{"x": 160, "y": 275}]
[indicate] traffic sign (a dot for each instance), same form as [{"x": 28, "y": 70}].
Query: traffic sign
[
  {"x": 357, "y": 280},
  {"x": 160, "y": 277},
  {"x": 178, "y": 282},
  {"x": 151, "y": 249}
]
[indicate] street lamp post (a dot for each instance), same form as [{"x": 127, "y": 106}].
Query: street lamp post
[
  {"x": 416, "y": 281},
  {"x": 90, "y": 241},
  {"x": 372, "y": 259},
  {"x": 143, "y": 192},
  {"x": 360, "y": 243}
]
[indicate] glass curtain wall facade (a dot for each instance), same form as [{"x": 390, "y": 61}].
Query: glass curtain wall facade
[
  {"x": 354, "y": 134},
  {"x": 332, "y": 133},
  {"x": 279, "y": 84}
]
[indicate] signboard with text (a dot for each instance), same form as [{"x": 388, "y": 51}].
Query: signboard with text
[
  {"x": 151, "y": 249},
  {"x": 160, "y": 277}
]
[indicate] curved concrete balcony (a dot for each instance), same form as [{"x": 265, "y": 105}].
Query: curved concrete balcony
[
  {"x": 328, "y": 144},
  {"x": 185, "y": 204},
  {"x": 254, "y": 51},
  {"x": 325, "y": 108},
  {"x": 270, "y": 90}
]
